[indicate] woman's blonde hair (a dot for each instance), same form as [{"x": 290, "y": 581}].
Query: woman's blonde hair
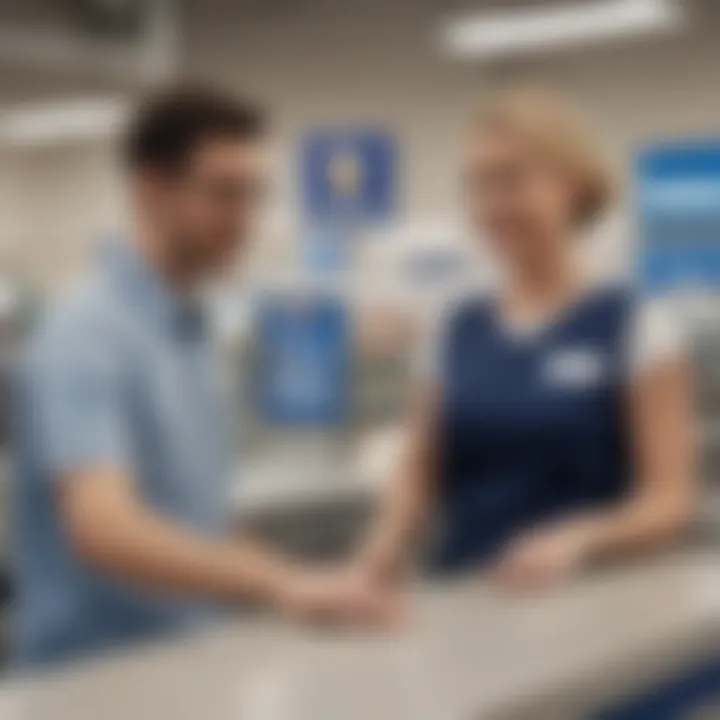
[{"x": 556, "y": 129}]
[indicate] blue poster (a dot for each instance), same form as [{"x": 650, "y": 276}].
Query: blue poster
[
  {"x": 679, "y": 204},
  {"x": 348, "y": 176},
  {"x": 304, "y": 361}
]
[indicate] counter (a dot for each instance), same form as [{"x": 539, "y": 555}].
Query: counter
[{"x": 468, "y": 654}]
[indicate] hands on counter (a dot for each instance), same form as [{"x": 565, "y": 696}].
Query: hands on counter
[
  {"x": 542, "y": 558},
  {"x": 343, "y": 596},
  {"x": 538, "y": 559},
  {"x": 370, "y": 593}
]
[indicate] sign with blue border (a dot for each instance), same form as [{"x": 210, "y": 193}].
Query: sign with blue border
[
  {"x": 679, "y": 212},
  {"x": 303, "y": 369},
  {"x": 348, "y": 175}
]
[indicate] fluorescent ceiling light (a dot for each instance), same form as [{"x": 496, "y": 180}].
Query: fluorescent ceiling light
[
  {"x": 516, "y": 31},
  {"x": 64, "y": 121}
]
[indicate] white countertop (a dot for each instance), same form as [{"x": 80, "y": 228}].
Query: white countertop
[{"x": 469, "y": 654}]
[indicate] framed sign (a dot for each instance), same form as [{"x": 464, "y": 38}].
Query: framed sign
[
  {"x": 679, "y": 207},
  {"x": 348, "y": 176},
  {"x": 303, "y": 369}
]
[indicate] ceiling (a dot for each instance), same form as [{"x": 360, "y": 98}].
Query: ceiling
[
  {"x": 213, "y": 24},
  {"x": 65, "y": 13}
]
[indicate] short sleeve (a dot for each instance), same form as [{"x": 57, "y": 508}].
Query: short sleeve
[
  {"x": 656, "y": 336},
  {"x": 77, "y": 394}
]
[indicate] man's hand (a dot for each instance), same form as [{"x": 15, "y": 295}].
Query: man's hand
[
  {"x": 339, "y": 596},
  {"x": 542, "y": 558}
]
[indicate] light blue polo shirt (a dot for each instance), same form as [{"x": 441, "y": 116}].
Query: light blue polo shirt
[{"x": 121, "y": 374}]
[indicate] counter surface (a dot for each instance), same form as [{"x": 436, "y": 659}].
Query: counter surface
[{"x": 468, "y": 653}]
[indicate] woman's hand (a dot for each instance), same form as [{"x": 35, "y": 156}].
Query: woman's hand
[{"x": 544, "y": 557}]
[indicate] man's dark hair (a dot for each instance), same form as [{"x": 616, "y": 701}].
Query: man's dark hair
[{"x": 171, "y": 125}]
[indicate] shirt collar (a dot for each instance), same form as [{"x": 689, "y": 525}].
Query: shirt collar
[{"x": 181, "y": 315}]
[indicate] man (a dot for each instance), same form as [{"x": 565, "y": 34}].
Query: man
[{"x": 123, "y": 453}]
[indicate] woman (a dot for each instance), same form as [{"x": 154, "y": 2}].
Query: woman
[{"x": 555, "y": 426}]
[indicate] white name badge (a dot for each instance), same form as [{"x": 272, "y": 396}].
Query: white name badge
[{"x": 574, "y": 368}]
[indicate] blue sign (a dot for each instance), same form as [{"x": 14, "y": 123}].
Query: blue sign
[
  {"x": 348, "y": 176},
  {"x": 679, "y": 203},
  {"x": 304, "y": 361}
]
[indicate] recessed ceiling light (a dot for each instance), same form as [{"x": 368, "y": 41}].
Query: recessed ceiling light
[
  {"x": 522, "y": 31},
  {"x": 62, "y": 121}
]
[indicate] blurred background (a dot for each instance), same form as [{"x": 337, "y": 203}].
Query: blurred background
[{"x": 363, "y": 238}]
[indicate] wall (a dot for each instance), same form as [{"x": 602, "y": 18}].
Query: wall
[
  {"x": 384, "y": 67},
  {"x": 54, "y": 203},
  {"x": 379, "y": 64}
]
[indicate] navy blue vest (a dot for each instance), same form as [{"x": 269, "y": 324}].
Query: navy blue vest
[{"x": 531, "y": 427}]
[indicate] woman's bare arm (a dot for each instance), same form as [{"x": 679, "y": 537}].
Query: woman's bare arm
[
  {"x": 661, "y": 502},
  {"x": 659, "y": 505},
  {"x": 387, "y": 551}
]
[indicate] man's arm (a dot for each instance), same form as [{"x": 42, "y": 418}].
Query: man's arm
[
  {"x": 78, "y": 395},
  {"x": 112, "y": 531}
]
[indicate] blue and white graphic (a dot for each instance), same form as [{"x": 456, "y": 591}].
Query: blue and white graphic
[
  {"x": 679, "y": 202},
  {"x": 304, "y": 362},
  {"x": 348, "y": 176}
]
